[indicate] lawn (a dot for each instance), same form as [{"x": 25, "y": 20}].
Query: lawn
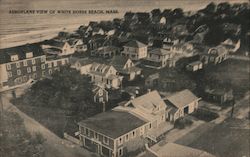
[
  {"x": 229, "y": 139},
  {"x": 230, "y": 73}
]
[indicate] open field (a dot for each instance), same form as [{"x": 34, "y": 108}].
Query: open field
[{"x": 228, "y": 139}]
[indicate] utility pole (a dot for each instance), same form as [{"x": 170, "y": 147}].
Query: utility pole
[
  {"x": 1, "y": 107},
  {"x": 232, "y": 111}
]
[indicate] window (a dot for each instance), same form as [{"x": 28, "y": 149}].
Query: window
[
  {"x": 28, "y": 70},
  {"x": 18, "y": 64},
  {"x": 120, "y": 152},
  {"x": 133, "y": 133},
  {"x": 25, "y": 63},
  {"x": 50, "y": 71},
  {"x": 43, "y": 59},
  {"x": 14, "y": 58},
  {"x": 120, "y": 141},
  {"x": 8, "y": 66},
  {"x": 55, "y": 63},
  {"x": 43, "y": 73},
  {"x": 29, "y": 55},
  {"x": 126, "y": 137},
  {"x": 18, "y": 72},
  {"x": 150, "y": 126},
  {"x": 34, "y": 76},
  {"x": 9, "y": 74},
  {"x": 105, "y": 140},
  {"x": 49, "y": 65},
  {"x": 43, "y": 66},
  {"x": 34, "y": 68},
  {"x": 33, "y": 61},
  {"x": 63, "y": 62}
]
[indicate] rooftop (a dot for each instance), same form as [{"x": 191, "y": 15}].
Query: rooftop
[
  {"x": 20, "y": 51},
  {"x": 182, "y": 98},
  {"x": 135, "y": 44},
  {"x": 113, "y": 123},
  {"x": 159, "y": 51}
]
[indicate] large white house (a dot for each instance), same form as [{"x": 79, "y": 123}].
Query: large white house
[
  {"x": 135, "y": 50},
  {"x": 106, "y": 75}
]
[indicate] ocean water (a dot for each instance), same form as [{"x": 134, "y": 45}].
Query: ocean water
[{"x": 16, "y": 29}]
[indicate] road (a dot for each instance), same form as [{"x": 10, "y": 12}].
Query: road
[{"x": 54, "y": 145}]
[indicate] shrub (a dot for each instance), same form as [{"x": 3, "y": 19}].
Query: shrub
[{"x": 182, "y": 122}]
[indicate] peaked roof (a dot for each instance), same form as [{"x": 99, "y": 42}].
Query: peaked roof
[
  {"x": 135, "y": 43},
  {"x": 119, "y": 61},
  {"x": 55, "y": 43},
  {"x": 182, "y": 98},
  {"x": 149, "y": 101}
]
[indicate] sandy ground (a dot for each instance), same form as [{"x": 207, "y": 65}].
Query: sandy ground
[{"x": 54, "y": 146}]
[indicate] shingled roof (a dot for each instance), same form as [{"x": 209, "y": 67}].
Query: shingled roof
[
  {"x": 112, "y": 123},
  {"x": 135, "y": 43},
  {"x": 182, "y": 98},
  {"x": 20, "y": 51}
]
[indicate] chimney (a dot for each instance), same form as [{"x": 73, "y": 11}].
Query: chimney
[{"x": 149, "y": 90}]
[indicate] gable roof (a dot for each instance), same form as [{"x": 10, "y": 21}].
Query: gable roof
[
  {"x": 119, "y": 61},
  {"x": 112, "y": 123},
  {"x": 20, "y": 51},
  {"x": 135, "y": 43},
  {"x": 182, "y": 98},
  {"x": 149, "y": 101}
]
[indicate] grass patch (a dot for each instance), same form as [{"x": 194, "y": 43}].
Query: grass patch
[{"x": 205, "y": 115}]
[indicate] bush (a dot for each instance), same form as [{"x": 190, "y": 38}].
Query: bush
[{"x": 183, "y": 122}]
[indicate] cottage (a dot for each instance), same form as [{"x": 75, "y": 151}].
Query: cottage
[
  {"x": 219, "y": 95},
  {"x": 60, "y": 48},
  {"x": 159, "y": 58},
  {"x": 81, "y": 64},
  {"x": 194, "y": 66},
  {"x": 185, "y": 49},
  {"x": 97, "y": 30},
  {"x": 125, "y": 67},
  {"x": 106, "y": 51},
  {"x": 100, "y": 94},
  {"x": 111, "y": 134},
  {"x": 181, "y": 103},
  {"x": 106, "y": 75},
  {"x": 149, "y": 107},
  {"x": 97, "y": 41},
  {"x": 152, "y": 80},
  {"x": 168, "y": 42},
  {"x": 215, "y": 55},
  {"x": 231, "y": 46},
  {"x": 135, "y": 50},
  {"x": 78, "y": 45}
]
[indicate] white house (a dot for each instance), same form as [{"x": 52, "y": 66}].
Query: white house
[
  {"x": 159, "y": 58},
  {"x": 135, "y": 50},
  {"x": 194, "y": 66},
  {"x": 78, "y": 45},
  {"x": 181, "y": 103},
  {"x": 60, "y": 48},
  {"x": 83, "y": 65},
  {"x": 106, "y": 75}
]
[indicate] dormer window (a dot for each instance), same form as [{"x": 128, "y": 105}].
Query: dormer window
[
  {"x": 29, "y": 54},
  {"x": 14, "y": 57}
]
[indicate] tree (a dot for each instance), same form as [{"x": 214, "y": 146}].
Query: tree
[
  {"x": 156, "y": 12},
  {"x": 177, "y": 13},
  {"x": 67, "y": 89},
  {"x": 210, "y": 8}
]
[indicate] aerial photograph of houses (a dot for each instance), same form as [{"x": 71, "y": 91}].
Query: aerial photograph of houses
[{"x": 124, "y": 78}]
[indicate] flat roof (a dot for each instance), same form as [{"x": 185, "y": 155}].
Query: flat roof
[{"x": 112, "y": 123}]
